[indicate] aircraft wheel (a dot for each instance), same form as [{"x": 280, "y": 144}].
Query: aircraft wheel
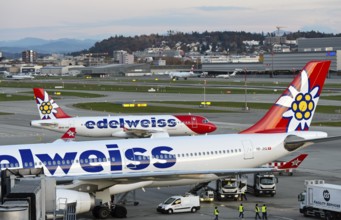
[
  {"x": 95, "y": 211},
  {"x": 103, "y": 212},
  {"x": 119, "y": 212}
]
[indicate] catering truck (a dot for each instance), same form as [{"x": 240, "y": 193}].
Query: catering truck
[
  {"x": 261, "y": 184},
  {"x": 229, "y": 187},
  {"x": 320, "y": 200},
  {"x": 174, "y": 204}
]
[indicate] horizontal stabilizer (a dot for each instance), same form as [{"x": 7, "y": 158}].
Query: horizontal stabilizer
[
  {"x": 292, "y": 145},
  {"x": 294, "y": 163}
]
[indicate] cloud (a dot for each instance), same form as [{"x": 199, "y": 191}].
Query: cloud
[{"x": 222, "y": 8}]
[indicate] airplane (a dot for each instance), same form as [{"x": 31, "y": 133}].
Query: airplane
[
  {"x": 155, "y": 126},
  {"x": 286, "y": 166},
  {"x": 185, "y": 75},
  {"x": 99, "y": 169},
  {"x": 227, "y": 76},
  {"x": 19, "y": 76}
]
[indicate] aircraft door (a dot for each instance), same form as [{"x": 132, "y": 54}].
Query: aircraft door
[
  {"x": 194, "y": 122},
  {"x": 248, "y": 149}
]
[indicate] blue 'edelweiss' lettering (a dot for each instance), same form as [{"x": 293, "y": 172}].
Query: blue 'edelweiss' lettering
[
  {"x": 92, "y": 161},
  {"x": 126, "y": 123}
]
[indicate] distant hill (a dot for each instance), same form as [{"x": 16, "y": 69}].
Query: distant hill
[
  {"x": 63, "y": 45},
  {"x": 217, "y": 41}
]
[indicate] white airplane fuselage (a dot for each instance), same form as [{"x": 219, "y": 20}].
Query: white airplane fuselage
[
  {"x": 115, "y": 125},
  {"x": 93, "y": 159},
  {"x": 176, "y": 75}
]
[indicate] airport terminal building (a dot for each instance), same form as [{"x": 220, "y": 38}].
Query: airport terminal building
[
  {"x": 114, "y": 70},
  {"x": 308, "y": 49}
]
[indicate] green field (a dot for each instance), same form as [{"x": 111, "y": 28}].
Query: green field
[
  {"x": 11, "y": 97},
  {"x": 54, "y": 95},
  {"x": 118, "y": 108},
  {"x": 136, "y": 88},
  {"x": 255, "y": 105}
]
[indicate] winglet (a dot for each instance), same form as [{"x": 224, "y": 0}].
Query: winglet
[
  {"x": 295, "y": 108},
  {"x": 294, "y": 163},
  {"x": 69, "y": 135},
  {"x": 47, "y": 107}
]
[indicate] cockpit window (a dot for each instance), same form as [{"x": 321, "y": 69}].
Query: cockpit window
[{"x": 205, "y": 121}]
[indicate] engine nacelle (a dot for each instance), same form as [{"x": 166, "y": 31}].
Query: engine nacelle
[
  {"x": 121, "y": 188},
  {"x": 85, "y": 201},
  {"x": 121, "y": 134}
]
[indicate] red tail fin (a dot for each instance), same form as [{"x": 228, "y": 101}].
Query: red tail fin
[
  {"x": 47, "y": 107},
  {"x": 294, "y": 109},
  {"x": 294, "y": 163}
]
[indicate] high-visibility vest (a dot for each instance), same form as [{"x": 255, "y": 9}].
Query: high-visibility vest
[
  {"x": 241, "y": 208},
  {"x": 263, "y": 208},
  {"x": 216, "y": 212},
  {"x": 257, "y": 209}
]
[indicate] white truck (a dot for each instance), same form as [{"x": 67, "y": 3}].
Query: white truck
[
  {"x": 261, "y": 184},
  {"x": 320, "y": 200},
  {"x": 206, "y": 195},
  {"x": 228, "y": 188},
  {"x": 174, "y": 204}
]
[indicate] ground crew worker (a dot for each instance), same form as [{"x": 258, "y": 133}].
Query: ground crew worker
[
  {"x": 241, "y": 211},
  {"x": 216, "y": 213},
  {"x": 257, "y": 211},
  {"x": 264, "y": 212},
  {"x": 243, "y": 196}
]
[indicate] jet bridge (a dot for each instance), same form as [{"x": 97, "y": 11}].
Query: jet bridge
[{"x": 26, "y": 194}]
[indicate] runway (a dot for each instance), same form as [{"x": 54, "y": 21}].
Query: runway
[{"x": 322, "y": 163}]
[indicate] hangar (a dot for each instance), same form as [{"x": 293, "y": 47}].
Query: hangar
[
  {"x": 114, "y": 70},
  {"x": 308, "y": 49}
]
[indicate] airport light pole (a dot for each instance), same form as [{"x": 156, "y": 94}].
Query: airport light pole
[
  {"x": 245, "y": 84},
  {"x": 204, "y": 93}
]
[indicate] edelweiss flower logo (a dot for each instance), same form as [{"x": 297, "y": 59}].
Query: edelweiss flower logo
[
  {"x": 301, "y": 104},
  {"x": 47, "y": 107}
]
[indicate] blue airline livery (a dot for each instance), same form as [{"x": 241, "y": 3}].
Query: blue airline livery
[
  {"x": 90, "y": 171},
  {"x": 52, "y": 117}
]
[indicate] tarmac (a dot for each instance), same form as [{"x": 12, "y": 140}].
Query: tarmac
[{"x": 323, "y": 161}]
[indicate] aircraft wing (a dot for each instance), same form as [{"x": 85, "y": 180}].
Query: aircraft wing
[
  {"x": 152, "y": 133},
  {"x": 162, "y": 175}
]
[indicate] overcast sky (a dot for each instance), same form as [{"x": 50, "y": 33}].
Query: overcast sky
[{"x": 83, "y": 19}]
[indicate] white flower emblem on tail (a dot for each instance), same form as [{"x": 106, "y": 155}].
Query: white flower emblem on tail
[
  {"x": 301, "y": 104},
  {"x": 47, "y": 107}
]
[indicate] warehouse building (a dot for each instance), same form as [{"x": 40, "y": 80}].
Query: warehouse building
[
  {"x": 114, "y": 70},
  {"x": 308, "y": 49}
]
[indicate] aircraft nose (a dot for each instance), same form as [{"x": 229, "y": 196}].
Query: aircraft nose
[{"x": 212, "y": 127}]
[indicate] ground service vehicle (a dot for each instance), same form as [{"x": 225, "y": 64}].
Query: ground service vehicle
[
  {"x": 229, "y": 187},
  {"x": 321, "y": 200},
  {"x": 174, "y": 204},
  {"x": 206, "y": 196},
  {"x": 261, "y": 184}
]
